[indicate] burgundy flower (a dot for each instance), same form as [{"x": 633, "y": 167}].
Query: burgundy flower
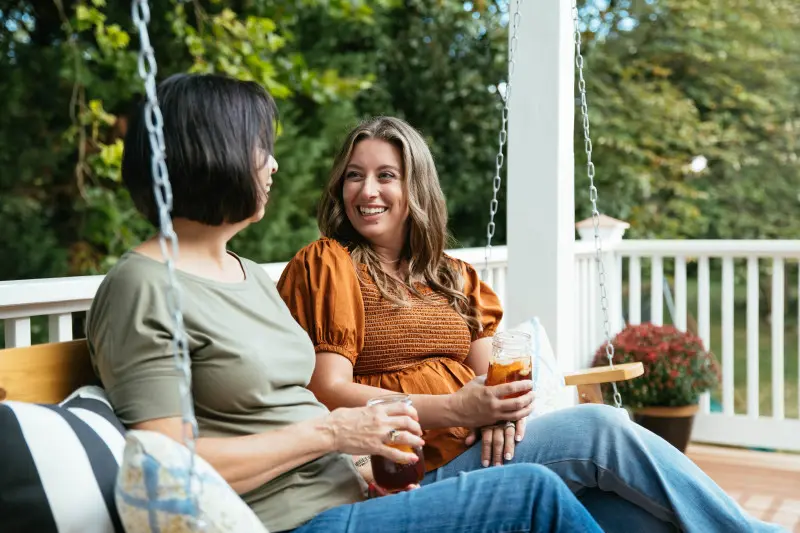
[{"x": 677, "y": 366}]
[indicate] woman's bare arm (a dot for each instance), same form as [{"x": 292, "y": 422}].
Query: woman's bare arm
[
  {"x": 249, "y": 461},
  {"x": 332, "y": 383},
  {"x": 478, "y": 356},
  {"x": 473, "y": 406}
]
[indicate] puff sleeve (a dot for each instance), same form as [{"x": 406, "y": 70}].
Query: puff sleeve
[
  {"x": 485, "y": 300},
  {"x": 322, "y": 291}
]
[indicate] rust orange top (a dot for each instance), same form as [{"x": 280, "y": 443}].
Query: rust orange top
[{"x": 419, "y": 349}]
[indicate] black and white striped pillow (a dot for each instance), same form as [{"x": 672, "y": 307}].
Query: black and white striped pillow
[{"x": 59, "y": 464}]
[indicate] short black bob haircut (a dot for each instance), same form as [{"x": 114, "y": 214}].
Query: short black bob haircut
[{"x": 218, "y": 133}]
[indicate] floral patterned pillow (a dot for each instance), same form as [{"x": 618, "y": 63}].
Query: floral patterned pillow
[{"x": 151, "y": 493}]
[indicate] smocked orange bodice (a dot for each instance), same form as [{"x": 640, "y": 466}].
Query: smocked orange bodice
[{"x": 416, "y": 349}]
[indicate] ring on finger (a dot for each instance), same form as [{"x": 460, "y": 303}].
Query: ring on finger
[
  {"x": 393, "y": 436},
  {"x": 510, "y": 424}
]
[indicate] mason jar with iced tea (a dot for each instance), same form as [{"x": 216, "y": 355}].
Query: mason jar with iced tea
[
  {"x": 511, "y": 359},
  {"x": 390, "y": 475}
]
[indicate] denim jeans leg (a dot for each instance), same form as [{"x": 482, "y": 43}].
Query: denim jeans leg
[
  {"x": 509, "y": 499},
  {"x": 612, "y": 513},
  {"x": 597, "y": 446},
  {"x": 617, "y": 515}
]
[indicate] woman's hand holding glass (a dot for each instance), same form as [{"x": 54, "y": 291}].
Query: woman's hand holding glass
[
  {"x": 498, "y": 420},
  {"x": 370, "y": 430},
  {"x": 476, "y": 405}
]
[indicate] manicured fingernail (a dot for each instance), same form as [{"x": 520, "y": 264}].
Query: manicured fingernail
[
  {"x": 485, "y": 463},
  {"x": 518, "y": 438},
  {"x": 508, "y": 457}
]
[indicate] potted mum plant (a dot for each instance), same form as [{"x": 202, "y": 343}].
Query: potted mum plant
[{"x": 677, "y": 369}]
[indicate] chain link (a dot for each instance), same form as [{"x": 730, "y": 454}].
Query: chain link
[
  {"x": 502, "y": 137},
  {"x": 168, "y": 242},
  {"x": 587, "y": 143}
]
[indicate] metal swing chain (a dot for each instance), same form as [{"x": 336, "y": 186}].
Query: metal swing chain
[
  {"x": 502, "y": 136},
  {"x": 167, "y": 240},
  {"x": 601, "y": 272}
]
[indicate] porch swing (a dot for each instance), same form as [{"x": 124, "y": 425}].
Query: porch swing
[
  {"x": 587, "y": 382},
  {"x": 47, "y": 373}
]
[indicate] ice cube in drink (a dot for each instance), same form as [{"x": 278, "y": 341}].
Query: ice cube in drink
[{"x": 507, "y": 371}]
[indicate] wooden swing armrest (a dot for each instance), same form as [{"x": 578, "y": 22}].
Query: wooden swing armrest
[
  {"x": 45, "y": 373},
  {"x": 603, "y": 374}
]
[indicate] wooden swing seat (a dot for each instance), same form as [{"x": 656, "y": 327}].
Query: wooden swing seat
[{"x": 48, "y": 373}]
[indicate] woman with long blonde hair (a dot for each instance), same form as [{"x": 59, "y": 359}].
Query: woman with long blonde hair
[{"x": 389, "y": 311}]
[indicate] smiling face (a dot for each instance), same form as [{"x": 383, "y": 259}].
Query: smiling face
[{"x": 374, "y": 195}]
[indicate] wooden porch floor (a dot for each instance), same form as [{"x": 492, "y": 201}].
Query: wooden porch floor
[{"x": 766, "y": 484}]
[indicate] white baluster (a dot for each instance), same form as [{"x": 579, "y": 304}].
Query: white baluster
[
  {"x": 490, "y": 277},
  {"x": 753, "y": 351},
  {"x": 704, "y": 318},
  {"x": 586, "y": 311},
  {"x": 593, "y": 331},
  {"x": 577, "y": 299},
  {"x": 616, "y": 297},
  {"x": 727, "y": 336},
  {"x": 60, "y": 327},
  {"x": 18, "y": 332},
  {"x": 657, "y": 290},
  {"x": 635, "y": 290},
  {"x": 777, "y": 339},
  {"x": 680, "y": 293},
  {"x": 500, "y": 284}
]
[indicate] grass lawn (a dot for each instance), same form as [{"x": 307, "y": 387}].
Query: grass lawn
[{"x": 790, "y": 356}]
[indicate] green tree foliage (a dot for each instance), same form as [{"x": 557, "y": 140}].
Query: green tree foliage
[
  {"x": 712, "y": 78},
  {"x": 668, "y": 80},
  {"x": 70, "y": 78}
]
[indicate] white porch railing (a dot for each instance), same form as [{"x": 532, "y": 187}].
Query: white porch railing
[
  {"x": 58, "y": 298},
  {"x": 690, "y": 293},
  {"x": 702, "y": 295}
]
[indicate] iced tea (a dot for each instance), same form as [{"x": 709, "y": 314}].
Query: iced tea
[
  {"x": 508, "y": 371},
  {"x": 511, "y": 359},
  {"x": 395, "y": 477},
  {"x": 390, "y": 475}
]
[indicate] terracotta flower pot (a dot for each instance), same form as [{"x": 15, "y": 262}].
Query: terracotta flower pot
[{"x": 673, "y": 424}]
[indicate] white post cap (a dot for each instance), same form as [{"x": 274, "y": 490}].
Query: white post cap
[{"x": 610, "y": 229}]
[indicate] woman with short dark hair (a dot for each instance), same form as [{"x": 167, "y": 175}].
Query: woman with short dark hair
[
  {"x": 220, "y": 136},
  {"x": 291, "y": 459}
]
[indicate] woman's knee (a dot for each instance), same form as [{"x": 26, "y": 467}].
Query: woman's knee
[
  {"x": 599, "y": 417},
  {"x": 534, "y": 475}
]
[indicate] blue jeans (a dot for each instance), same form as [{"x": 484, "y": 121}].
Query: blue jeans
[
  {"x": 510, "y": 499},
  {"x": 628, "y": 478}
]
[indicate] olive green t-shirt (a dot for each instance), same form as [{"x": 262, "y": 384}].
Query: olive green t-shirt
[{"x": 251, "y": 363}]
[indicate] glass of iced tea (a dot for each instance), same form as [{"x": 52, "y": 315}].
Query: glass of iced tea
[
  {"x": 511, "y": 359},
  {"x": 389, "y": 475}
]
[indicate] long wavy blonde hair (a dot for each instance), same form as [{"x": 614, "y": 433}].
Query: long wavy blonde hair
[{"x": 426, "y": 236}]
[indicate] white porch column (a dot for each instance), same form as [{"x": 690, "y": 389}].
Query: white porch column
[{"x": 541, "y": 231}]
